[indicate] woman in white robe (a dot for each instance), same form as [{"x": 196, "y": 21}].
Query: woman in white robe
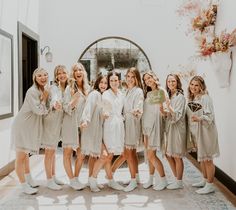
[
  {"x": 113, "y": 131},
  {"x": 133, "y": 109}
]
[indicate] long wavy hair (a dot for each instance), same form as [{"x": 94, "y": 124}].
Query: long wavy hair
[
  {"x": 146, "y": 88},
  {"x": 85, "y": 84},
  {"x": 179, "y": 85},
  {"x": 56, "y": 70},
  {"x": 136, "y": 73},
  {"x": 202, "y": 84}
]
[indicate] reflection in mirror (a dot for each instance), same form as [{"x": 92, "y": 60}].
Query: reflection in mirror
[{"x": 111, "y": 53}]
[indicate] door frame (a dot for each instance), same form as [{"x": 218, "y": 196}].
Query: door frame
[{"x": 24, "y": 30}]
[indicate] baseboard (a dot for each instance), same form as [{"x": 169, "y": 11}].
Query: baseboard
[
  {"x": 4, "y": 171},
  {"x": 226, "y": 180}
]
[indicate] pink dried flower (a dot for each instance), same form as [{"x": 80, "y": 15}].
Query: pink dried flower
[
  {"x": 218, "y": 44},
  {"x": 205, "y": 18}
]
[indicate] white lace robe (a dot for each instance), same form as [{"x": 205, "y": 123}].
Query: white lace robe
[{"x": 113, "y": 135}]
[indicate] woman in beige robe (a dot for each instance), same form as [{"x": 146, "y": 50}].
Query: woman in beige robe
[
  {"x": 133, "y": 110},
  {"x": 203, "y": 131},
  {"x": 92, "y": 129},
  {"x": 26, "y": 132},
  {"x": 73, "y": 105},
  {"x": 52, "y": 123},
  {"x": 175, "y": 129},
  {"x": 152, "y": 126}
]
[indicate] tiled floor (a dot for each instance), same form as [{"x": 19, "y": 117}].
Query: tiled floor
[{"x": 107, "y": 199}]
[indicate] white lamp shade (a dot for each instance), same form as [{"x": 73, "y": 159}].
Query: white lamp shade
[{"x": 48, "y": 57}]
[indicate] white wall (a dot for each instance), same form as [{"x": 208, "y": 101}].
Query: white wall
[
  {"x": 69, "y": 27},
  {"x": 11, "y": 11}
]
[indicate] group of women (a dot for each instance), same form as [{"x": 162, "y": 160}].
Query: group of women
[{"x": 104, "y": 121}]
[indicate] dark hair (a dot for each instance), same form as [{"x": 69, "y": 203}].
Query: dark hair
[
  {"x": 112, "y": 73},
  {"x": 146, "y": 88},
  {"x": 97, "y": 82},
  {"x": 179, "y": 85}
]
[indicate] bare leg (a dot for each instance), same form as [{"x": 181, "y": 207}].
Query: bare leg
[
  {"x": 101, "y": 161},
  {"x": 210, "y": 170},
  {"x": 136, "y": 160},
  {"x": 20, "y": 165},
  {"x": 27, "y": 164},
  {"x": 172, "y": 164},
  {"x": 179, "y": 168},
  {"x": 151, "y": 168},
  {"x": 48, "y": 162},
  {"x": 108, "y": 166},
  {"x": 203, "y": 169},
  {"x": 91, "y": 163},
  {"x": 118, "y": 162},
  {"x": 155, "y": 161},
  {"x": 133, "y": 168},
  {"x": 131, "y": 162},
  {"x": 54, "y": 165},
  {"x": 150, "y": 165},
  {"x": 67, "y": 153},
  {"x": 78, "y": 162},
  {"x": 98, "y": 165}
]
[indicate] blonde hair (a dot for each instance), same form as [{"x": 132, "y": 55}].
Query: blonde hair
[
  {"x": 85, "y": 84},
  {"x": 146, "y": 89},
  {"x": 202, "y": 84},
  {"x": 36, "y": 71},
  {"x": 58, "y": 68}
]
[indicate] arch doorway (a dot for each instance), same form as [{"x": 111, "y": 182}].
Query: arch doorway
[{"x": 109, "y": 53}]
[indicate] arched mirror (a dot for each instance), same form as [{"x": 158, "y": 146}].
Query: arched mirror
[{"x": 110, "y": 53}]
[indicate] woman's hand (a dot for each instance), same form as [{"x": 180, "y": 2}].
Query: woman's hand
[
  {"x": 75, "y": 99},
  {"x": 137, "y": 113},
  {"x": 44, "y": 96},
  {"x": 83, "y": 125},
  {"x": 105, "y": 115},
  {"x": 168, "y": 103},
  {"x": 57, "y": 106},
  {"x": 195, "y": 118},
  {"x": 163, "y": 112}
]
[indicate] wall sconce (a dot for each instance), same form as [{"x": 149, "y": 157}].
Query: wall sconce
[{"x": 48, "y": 54}]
